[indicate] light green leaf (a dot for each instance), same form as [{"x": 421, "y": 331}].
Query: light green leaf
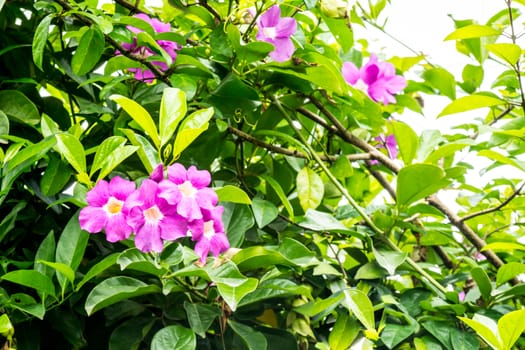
[
  {"x": 418, "y": 181},
  {"x": 407, "y": 141},
  {"x": 35, "y": 151},
  {"x": 344, "y": 332},
  {"x": 389, "y": 260},
  {"x": 89, "y": 51},
  {"x": 442, "y": 80},
  {"x": 264, "y": 211},
  {"x": 310, "y": 188},
  {"x": 232, "y": 194},
  {"x": 315, "y": 307},
  {"x": 468, "y": 103},
  {"x": 144, "y": 39},
  {"x": 65, "y": 270},
  {"x": 498, "y": 157},
  {"x": 510, "y": 53},
  {"x": 361, "y": 307},
  {"x": 32, "y": 279},
  {"x": 250, "y": 337},
  {"x": 18, "y": 106},
  {"x": 280, "y": 193},
  {"x": 27, "y": 304},
  {"x": 172, "y": 111},
  {"x": 40, "y": 40},
  {"x": 140, "y": 116},
  {"x": 503, "y": 246},
  {"x": 483, "y": 330},
  {"x": 115, "y": 289},
  {"x": 482, "y": 280},
  {"x": 148, "y": 155},
  {"x": 194, "y": 125},
  {"x": 472, "y": 31},
  {"x": 98, "y": 268},
  {"x": 134, "y": 259},
  {"x": 71, "y": 149},
  {"x": 510, "y": 327},
  {"x": 174, "y": 337},
  {"x": 509, "y": 271},
  {"x": 46, "y": 251}
]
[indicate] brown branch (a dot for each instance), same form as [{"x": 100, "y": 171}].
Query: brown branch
[
  {"x": 496, "y": 208},
  {"x": 288, "y": 152},
  {"x": 128, "y": 6}
]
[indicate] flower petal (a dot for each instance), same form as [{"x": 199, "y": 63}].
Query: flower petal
[
  {"x": 286, "y": 27},
  {"x": 198, "y": 178},
  {"x": 98, "y": 196},
  {"x": 173, "y": 227},
  {"x": 121, "y": 188},
  {"x": 92, "y": 219},
  {"x": 177, "y": 173},
  {"x": 350, "y": 73},
  {"x": 270, "y": 18},
  {"x": 284, "y": 49},
  {"x": 147, "y": 239},
  {"x": 117, "y": 228}
]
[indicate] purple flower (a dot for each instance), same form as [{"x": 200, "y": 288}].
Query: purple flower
[
  {"x": 277, "y": 31},
  {"x": 378, "y": 79},
  {"x": 142, "y": 51},
  {"x": 104, "y": 210},
  {"x": 188, "y": 191},
  {"x": 389, "y": 143},
  {"x": 152, "y": 218},
  {"x": 209, "y": 233}
]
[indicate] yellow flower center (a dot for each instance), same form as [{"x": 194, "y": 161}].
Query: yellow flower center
[
  {"x": 113, "y": 206},
  {"x": 270, "y": 32},
  {"x": 153, "y": 214},
  {"x": 187, "y": 189},
  {"x": 209, "y": 231}
]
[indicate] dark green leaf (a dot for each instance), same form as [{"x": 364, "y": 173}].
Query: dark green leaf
[
  {"x": 89, "y": 51},
  {"x": 253, "y": 339},
  {"x": 18, "y": 106},
  {"x": 40, "y": 39},
  {"x": 201, "y": 316},
  {"x": 174, "y": 337}
]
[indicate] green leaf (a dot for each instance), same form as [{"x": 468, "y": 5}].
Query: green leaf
[
  {"x": 32, "y": 279},
  {"x": 343, "y": 333},
  {"x": 389, "y": 260},
  {"x": 483, "y": 327},
  {"x": 71, "y": 247},
  {"x": 232, "y": 194},
  {"x": 32, "y": 152},
  {"x": 63, "y": 269},
  {"x": 341, "y": 30},
  {"x": 510, "y": 327},
  {"x": 318, "y": 306},
  {"x": 393, "y": 334},
  {"x": 509, "y": 271},
  {"x": 89, "y": 51},
  {"x": 56, "y": 175},
  {"x": 280, "y": 193},
  {"x": 6, "y": 327},
  {"x": 254, "y": 51},
  {"x": 115, "y": 289},
  {"x": 498, "y": 157},
  {"x": 407, "y": 141},
  {"x": 130, "y": 333},
  {"x": 257, "y": 257},
  {"x": 510, "y": 53},
  {"x": 172, "y": 111},
  {"x": 46, "y": 251},
  {"x": 174, "y": 337},
  {"x": 472, "y": 31},
  {"x": 27, "y": 304},
  {"x": 264, "y": 211},
  {"x": 201, "y": 316},
  {"x": 147, "y": 153},
  {"x": 418, "y": 181},
  {"x": 194, "y": 125},
  {"x": 18, "y": 106},
  {"x": 134, "y": 259},
  {"x": 110, "y": 154},
  {"x": 144, "y": 39},
  {"x": 504, "y": 246},
  {"x": 468, "y": 103},
  {"x": 450, "y": 336},
  {"x": 98, "y": 268},
  {"x": 4, "y": 125},
  {"x": 251, "y": 338},
  {"x": 237, "y": 219},
  {"x": 310, "y": 188},
  {"x": 140, "y": 116},
  {"x": 442, "y": 80},
  {"x": 297, "y": 252},
  {"x": 40, "y": 40},
  {"x": 361, "y": 307},
  {"x": 71, "y": 149},
  {"x": 482, "y": 280}
]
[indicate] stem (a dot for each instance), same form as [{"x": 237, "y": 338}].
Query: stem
[{"x": 353, "y": 203}]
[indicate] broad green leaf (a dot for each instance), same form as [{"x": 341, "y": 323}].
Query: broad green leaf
[
  {"x": 134, "y": 259},
  {"x": 201, "y": 316},
  {"x": 310, "y": 188},
  {"x": 468, "y": 103},
  {"x": 253, "y": 339},
  {"x": 115, "y": 289},
  {"x": 482, "y": 280},
  {"x": 56, "y": 175},
  {"x": 275, "y": 288},
  {"x": 321, "y": 221},
  {"x": 264, "y": 211},
  {"x": 297, "y": 252},
  {"x": 343, "y": 333},
  {"x": 27, "y": 304},
  {"x": 472, "y": 31},
  {"x": 40, "y": 40},
  {"x": 172, "y": 111},
  {"x": 483, "y": 330},
  {"x": 232, "y": 194},
  {"x": 18, "y": 106},
  {"x": 148, "y": 155},
  {"x": 389, "y": 260},
  {"x": 32, "y": 152},
  {"x": 65, "y": 270},
  {"x": 89, "y": 51},
  {"x": 254, "y": 51},
  {"x": 340, "y": 29},
  {"x": 140, "y": 116},
  {"x": 32, "y": 279},
  {"x": 498, "y": 157},
  {"x": 280, "y": 193},
  {"x": 510, "y": 327},
  {"x": 237, "y": 219},
  {"x": 6, "y": 327},
  {"x": 318, "y": 306},
  {"x": 130, "y": 333},
  {"x": 71, "y": 247},
  {"x": 104, "y": 150},
  {"x": 361, "y": 307},
  {"x": 257, "y": 257},
  {"x": 174, "y": 337},
  {"x": 407, "y": 141},
  {"x": 450, "y": 336},
  {"x": 393, "y": 334},
  {"x": 509, "y": 271},
  {"x": 418, "y": 181},
  {"x": 503, "y": 246},
  {"x": 71, "y": 149},
  {"x": 4, "y": 124},
  {"x": 192, "y": 126},
  {"x": 98, "y": 268},
  {"x": 442, "y": 80},
  {"x": 46, "y": 251},
  {"x": 510, "y": 53}
]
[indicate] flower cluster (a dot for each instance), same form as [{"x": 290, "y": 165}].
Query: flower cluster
[
  {"x": 378, "y": 79},
  {"x": 161, "y": 209},
  {"x": 277, "y": 31},
  {"x": 170, "y": 47}
]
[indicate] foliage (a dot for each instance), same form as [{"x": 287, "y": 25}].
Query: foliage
[{"x": 333, "y": 243}]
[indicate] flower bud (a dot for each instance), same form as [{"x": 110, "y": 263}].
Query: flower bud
[{"x": 335, "y": 8}]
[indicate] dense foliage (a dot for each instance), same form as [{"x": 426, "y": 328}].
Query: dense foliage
[{"x": 235, "y": 175}]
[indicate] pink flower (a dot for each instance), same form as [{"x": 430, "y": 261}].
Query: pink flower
[
  {"x": 378, "y": 79},
  {"x": 104, "y": 210},
  {"x": 277, "y": 31},
  {"x": 209, "y": 233},
  {"x": 152, "y": 218},
  {"x": 169, "y": 46},
  {"x": 188, "y": 191},
  {"x": 389, "y": 143}
]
